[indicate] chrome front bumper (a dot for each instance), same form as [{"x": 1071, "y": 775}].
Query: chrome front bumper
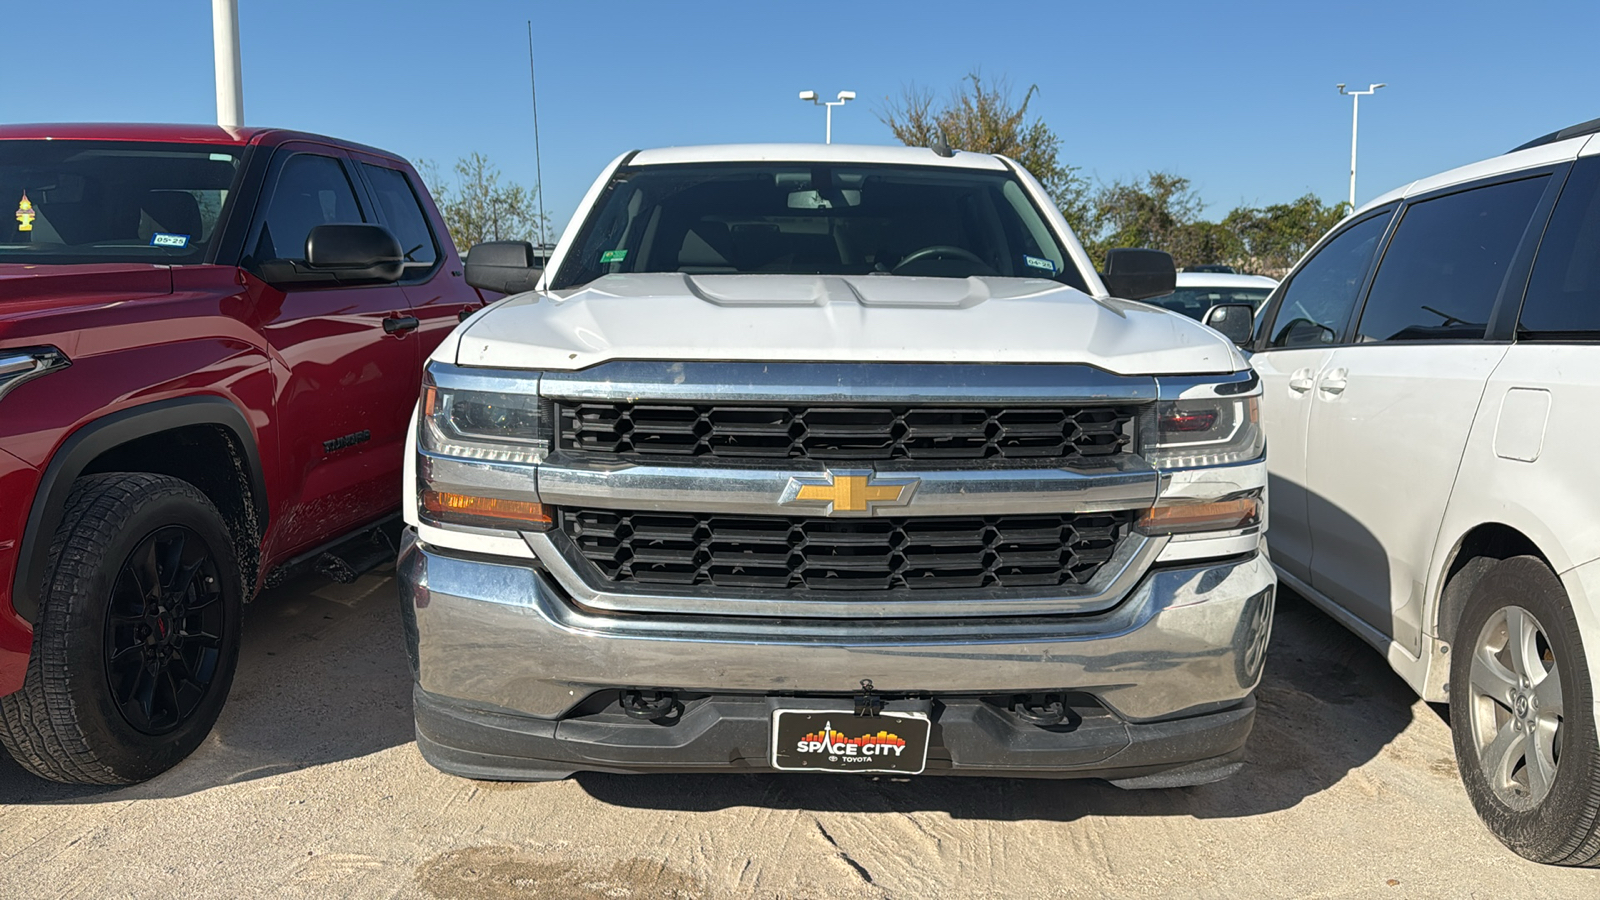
[{"x": 501, "y": 636}]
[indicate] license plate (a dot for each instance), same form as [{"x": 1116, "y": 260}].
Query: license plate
[{"x": 840, "y": 741}]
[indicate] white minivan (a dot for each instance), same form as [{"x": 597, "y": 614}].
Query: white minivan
[{"x": 1432, "y": 398}]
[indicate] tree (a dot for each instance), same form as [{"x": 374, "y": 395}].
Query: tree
[
  {"x": 984, "y": 118},
  {"x": 1158, "y": 211},
  {"x": 477, "y": 207},
  {"x": 1162, "y": 212},
  {"x": 1272, "y": 238}
]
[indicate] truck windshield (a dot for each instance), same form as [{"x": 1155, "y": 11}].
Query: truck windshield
[
  {"x": 71, "y": 201},
  {"x": 816, "y": 219}
]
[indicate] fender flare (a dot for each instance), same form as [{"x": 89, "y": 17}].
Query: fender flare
[{"x": 94, "y": 438}]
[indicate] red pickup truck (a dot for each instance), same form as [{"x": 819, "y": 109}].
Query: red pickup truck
[{"x": 210, "y": 346}]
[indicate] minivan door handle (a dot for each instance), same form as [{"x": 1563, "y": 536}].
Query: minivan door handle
[
  {"x": 1301, "y": 381},
  {"x": 398, "y": 324},
  {"x": 1334, "y": 382}
]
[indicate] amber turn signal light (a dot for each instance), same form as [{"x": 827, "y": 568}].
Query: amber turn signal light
[
  {"x": 485, "y": 512},
  {"x": 1186, "y": 518}
]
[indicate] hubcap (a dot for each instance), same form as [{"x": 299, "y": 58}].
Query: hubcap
[
  {"x": 164, "y": 630},
  {"x": 1514, "y": 708}
]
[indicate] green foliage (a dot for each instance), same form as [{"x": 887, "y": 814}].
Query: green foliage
[
  {"x": 984, "y": 118},
  {"x": 1272, "y": 238},
  {"x": 477, "y": 207},
  {"x": 1161, "y": 211}
]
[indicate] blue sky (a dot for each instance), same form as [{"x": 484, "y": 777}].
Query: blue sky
[{"x": 1238, "y": 97}]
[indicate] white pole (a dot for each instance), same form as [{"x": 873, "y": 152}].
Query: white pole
[
  {"x": 828, "y": 135},
  {"x": 230, "y": 78},
  {"x": 1355, "y": 116}
]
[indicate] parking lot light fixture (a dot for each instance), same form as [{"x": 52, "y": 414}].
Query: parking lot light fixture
[
  {"x": 844, "y": 97},
  {"x": 1355, "y": 114}
]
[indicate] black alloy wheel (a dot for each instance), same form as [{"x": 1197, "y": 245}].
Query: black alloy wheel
[{"x": 164, "y": 630}]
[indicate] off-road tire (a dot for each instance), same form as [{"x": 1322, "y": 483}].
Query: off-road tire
[
  {"x": 1564, "y": 827},
  {"x": 64, "y": 723}
]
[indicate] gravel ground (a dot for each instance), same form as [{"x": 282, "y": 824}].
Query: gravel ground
[{"x": 311, "y": 787}]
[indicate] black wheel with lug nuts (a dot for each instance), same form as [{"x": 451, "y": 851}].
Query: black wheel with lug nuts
[
  {"x": 137, "y": 635},
  {"x": 1522, "y": 715}
]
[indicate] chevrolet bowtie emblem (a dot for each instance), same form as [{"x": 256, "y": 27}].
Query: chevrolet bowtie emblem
[{"x": 849, "y": 491}]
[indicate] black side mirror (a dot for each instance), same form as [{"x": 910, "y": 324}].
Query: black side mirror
[
  {"x": 508, "y": 267},
  {"x": 1139, "y": 274},
  {"x": 341, "y": 255},
  {"x": 1236, "y": 321}
]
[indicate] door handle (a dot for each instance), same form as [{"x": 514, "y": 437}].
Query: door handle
[
  {"x": 399, "y": 324},
  {"x": 1301, "y": 381},
  {"x": 1334, "y": 382}
]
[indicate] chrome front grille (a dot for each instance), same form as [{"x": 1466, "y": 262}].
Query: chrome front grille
[
  {"x": 816, "y": 554},
  {"x": 855, "y": 433}
]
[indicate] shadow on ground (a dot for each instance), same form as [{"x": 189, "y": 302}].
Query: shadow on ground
[
  {"x": 322, "y": 678},
  {"x": 1328, "y": 704}
]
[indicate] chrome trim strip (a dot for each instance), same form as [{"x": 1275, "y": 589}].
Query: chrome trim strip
[
  {"x": 481, "y": 478},
  {"x": 461, "y": 378},
  {"x": 1198, "y": 387},
  {"x": 898, "y": 383},
  {"x": 23, "y": 364},
  {"x": 1108, "y": 586},
  {"x": 1128, "y": 483}
]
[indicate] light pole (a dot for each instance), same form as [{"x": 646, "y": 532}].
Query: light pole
[
  {"x": 225, "y": 46},
  {"x": 1355, "y": 115},
  {"x": 844, "y": 97}
]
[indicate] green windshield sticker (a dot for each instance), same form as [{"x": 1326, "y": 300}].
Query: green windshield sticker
[
  {"x": 613, "y": 256},
  {"x": 1038, "y": 263}
]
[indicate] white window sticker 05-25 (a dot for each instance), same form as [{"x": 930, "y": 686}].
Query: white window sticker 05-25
[{"x": 162, "y": 239}]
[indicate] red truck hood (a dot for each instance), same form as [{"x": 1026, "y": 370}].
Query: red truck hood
[{"x": 28, "y": 289}]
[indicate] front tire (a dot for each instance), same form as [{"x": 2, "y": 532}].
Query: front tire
[
  {"x": 1522, "y": 716},
  {"x": 137, "y": 636}
]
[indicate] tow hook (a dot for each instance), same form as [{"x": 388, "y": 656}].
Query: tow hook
[
  {"x": 1043, "y": 710},
  {"x": 661, "y": 707}
]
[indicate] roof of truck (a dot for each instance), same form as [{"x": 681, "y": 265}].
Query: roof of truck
[
  {"x": 828, "y": 153},
  {"x": 169, "y": 133}
]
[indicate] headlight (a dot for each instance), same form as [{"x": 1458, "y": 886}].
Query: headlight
[
  {"x": 488, "y": 425},
  {"x": 1210, "y": 431},
  {"x": 27, "y": 363}
]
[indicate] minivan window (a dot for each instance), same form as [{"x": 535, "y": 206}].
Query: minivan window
[
  {"x": 1318, "y": 300},
  {"x": 1563, "y": 301},
  {"x": 1445, "y": 265}
]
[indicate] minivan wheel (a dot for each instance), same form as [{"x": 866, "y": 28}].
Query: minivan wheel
[
  {"x": 137, "y": 636},
  {"x": 1522, "y": 716}
]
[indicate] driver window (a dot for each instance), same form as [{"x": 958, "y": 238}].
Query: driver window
[
  {"x": 1318, "y": 300},
  {"x": 312, "y": 190}
]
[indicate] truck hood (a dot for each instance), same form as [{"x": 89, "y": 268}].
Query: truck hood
[
  {"x": 26, "y": 288},
  {"x": 872, "y": 318}
]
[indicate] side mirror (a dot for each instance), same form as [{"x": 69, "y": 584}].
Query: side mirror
[
  {"x": 508, "y": 267},
  {"x": 1139, "y": 274},
  {"x": 341, "y": 255},
  {"x": 1236, "y": 321}
]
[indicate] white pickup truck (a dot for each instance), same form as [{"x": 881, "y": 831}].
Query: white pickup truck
[{"x": 834, "y": 459}]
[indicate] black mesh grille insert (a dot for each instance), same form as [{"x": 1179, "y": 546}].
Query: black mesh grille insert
[
  {"x": 653, "y": 549},
  {"x": 846, "y": 432}
]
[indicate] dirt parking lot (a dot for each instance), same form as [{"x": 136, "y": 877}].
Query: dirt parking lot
[{"x": 311, "y": 787}]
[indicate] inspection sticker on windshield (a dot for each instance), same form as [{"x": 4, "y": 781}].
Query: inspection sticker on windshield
[
  {"x": 1038, "y": 263},
  {"x": 611, "y": 256},
  {"x": 162, "y": 239}
]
